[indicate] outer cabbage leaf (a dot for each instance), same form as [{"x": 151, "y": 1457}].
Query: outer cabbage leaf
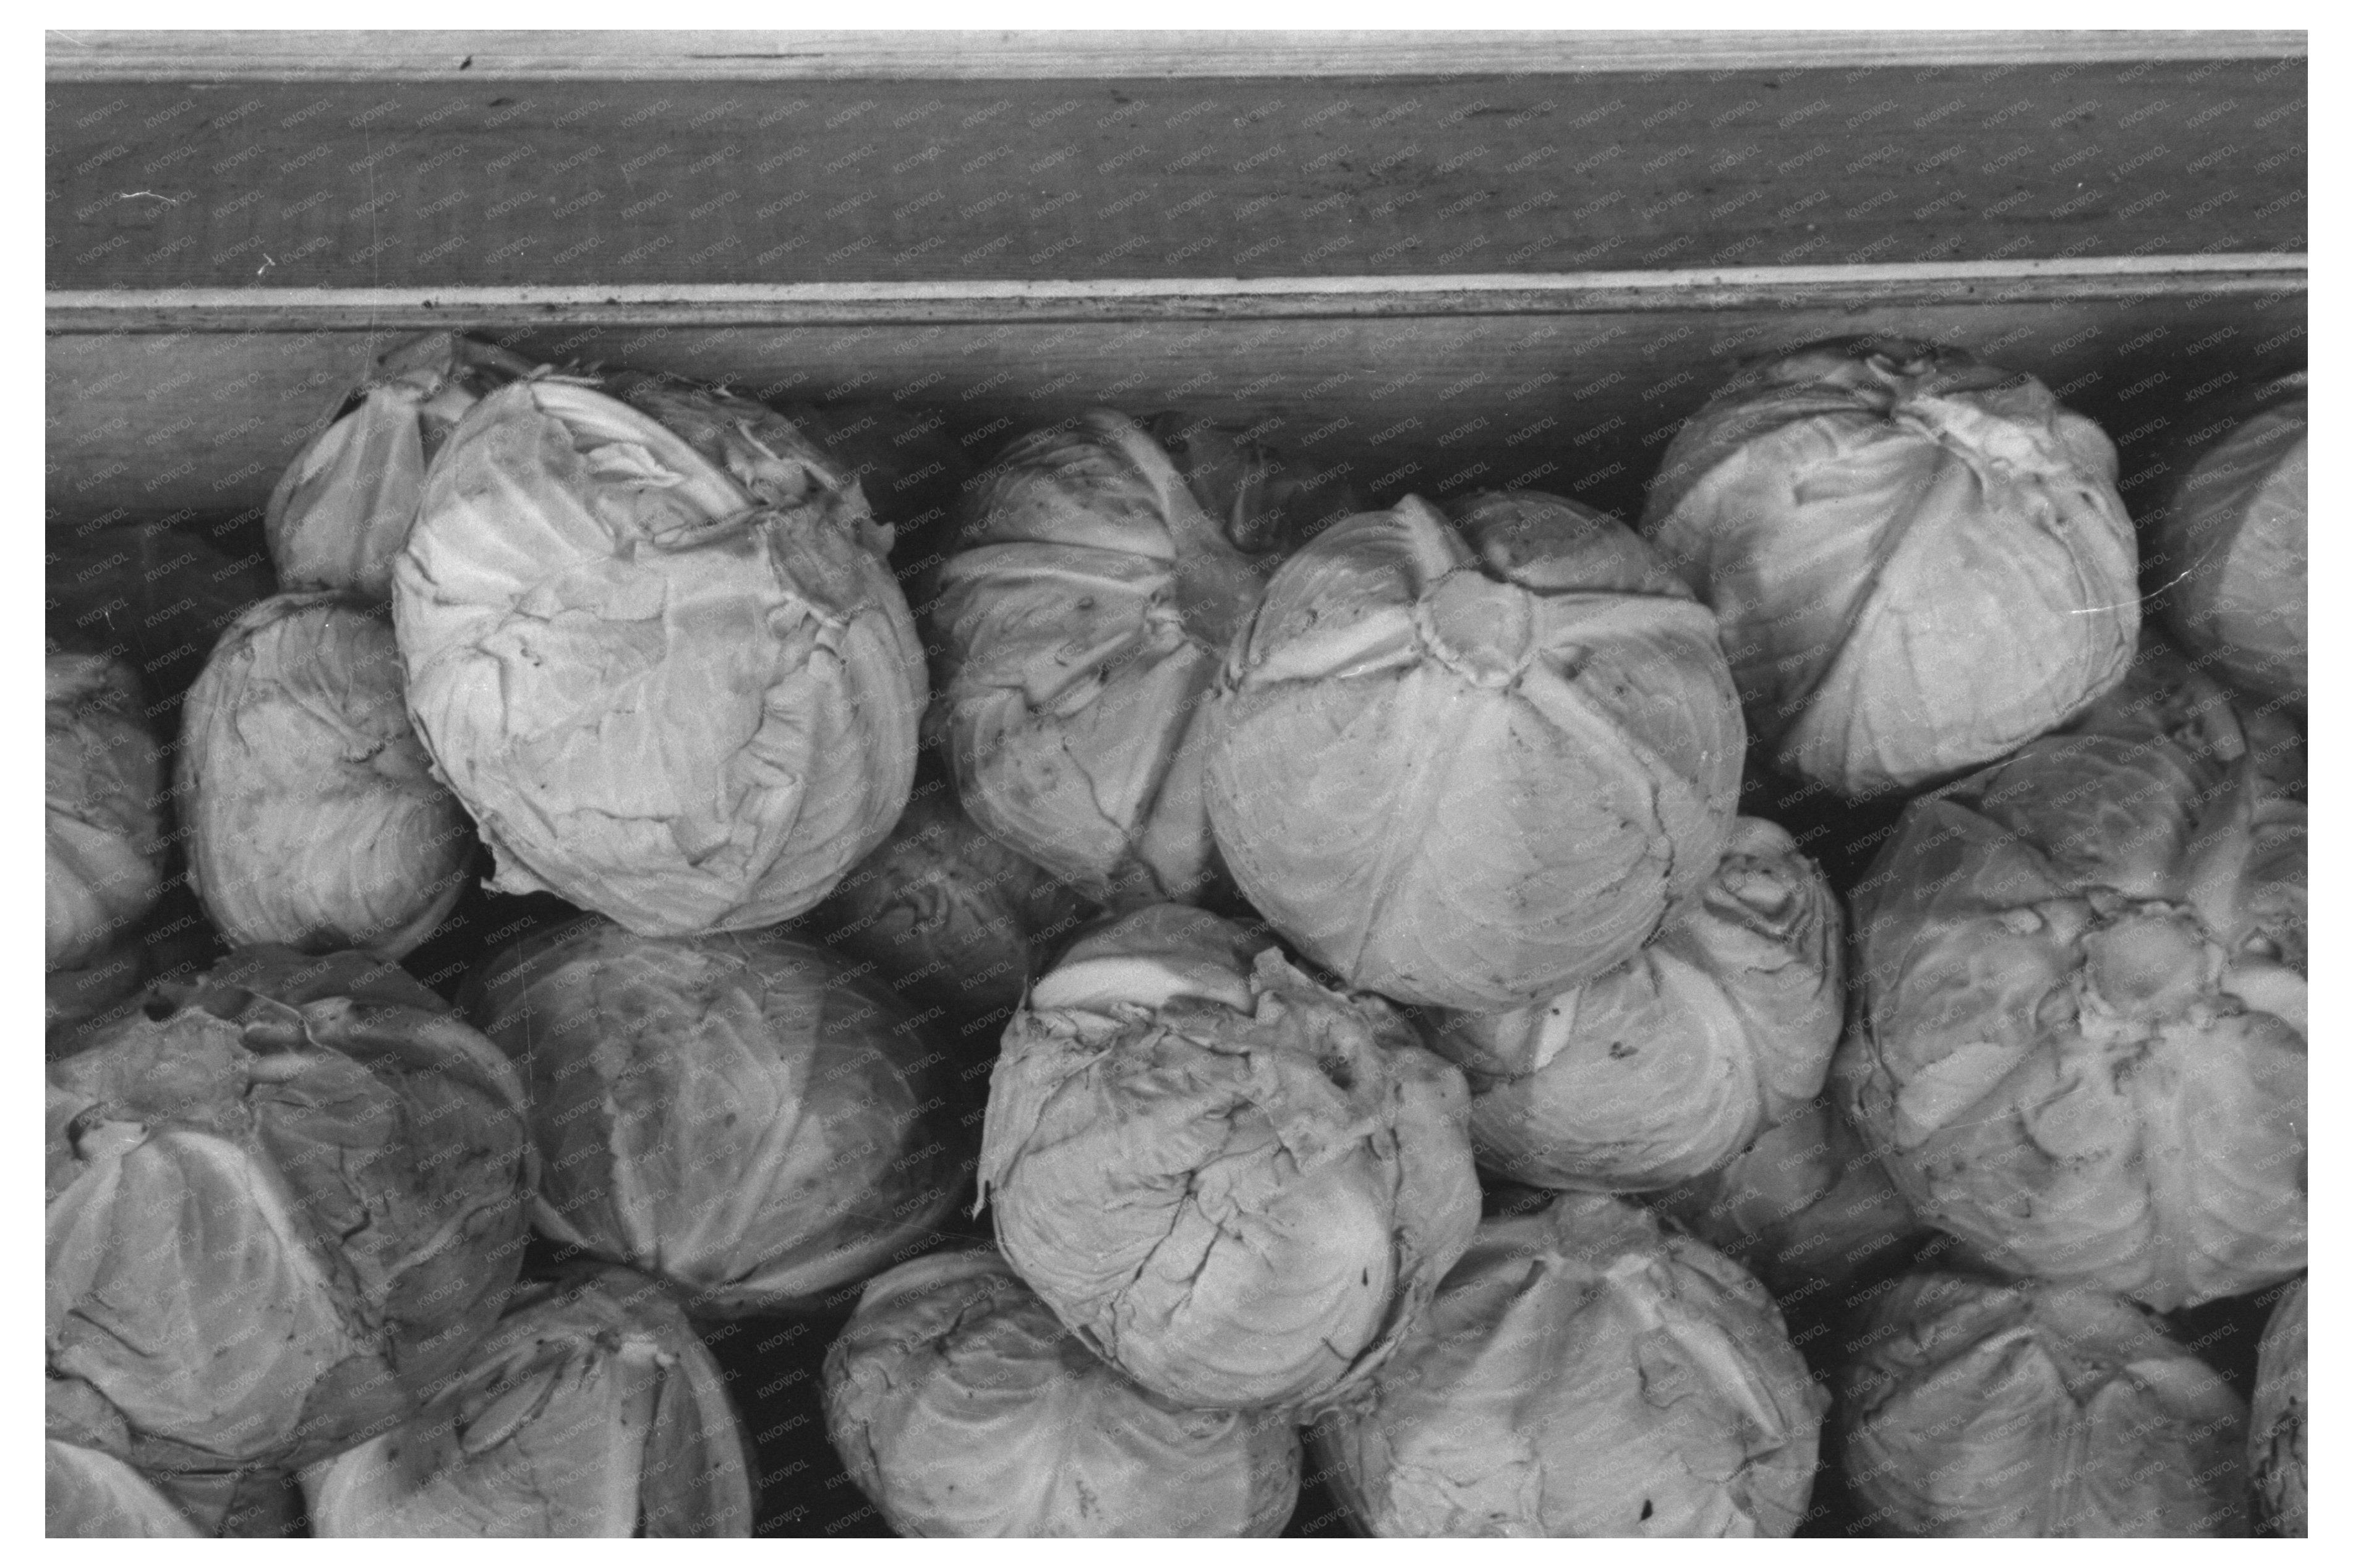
[
  {"x": 1474, "y": 768},
  {"x": 343, "y": 510},
  {"x": 963, "y": 1408},
  {"x": 2079, "y": 1033},
  {"x": 735, "y": 1115},
  {"x": 1921, "y": 562},
  {"x": 1237, "y": 1186},
  {"x": 658, "y": 655},
  {"x": 1976, "y": 1408},
  {"x": 312, "y": 813},
  {"x": 2165, "y": 696},
  {"x": 2232, "y": 549},
  {"x": 1082, "y": 620},
  {"x": 278, "y": 1211},
  {"x": 106, "y": 809},
  {"x": 101, "y": 984},
  {"x": 2276, "y": 1457},
  {"x": 591, "y": 1410},
  {"x": 1666, "y": 1067},
  {"x": 1584, "y": 1373},
  {"x": 94, "y": 1496}
]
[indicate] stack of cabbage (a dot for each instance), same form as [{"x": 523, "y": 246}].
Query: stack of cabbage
[
  {"x": 288, "y": 1198},
  {"x": 1327, "y": 946}
]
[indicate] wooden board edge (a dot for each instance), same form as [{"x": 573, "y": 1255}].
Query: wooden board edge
[
  {"x": 104, "y": 55},
  {"x": 1098, "y": 300}
]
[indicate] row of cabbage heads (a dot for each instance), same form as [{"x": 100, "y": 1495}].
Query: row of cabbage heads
[{"x": 1309, "y": 864}]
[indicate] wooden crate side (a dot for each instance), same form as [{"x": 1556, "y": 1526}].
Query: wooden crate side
[
  {"x": 453, "y": 184},
  {"x": 147, "y": 424},
  {"x": 950, "y": 54}
]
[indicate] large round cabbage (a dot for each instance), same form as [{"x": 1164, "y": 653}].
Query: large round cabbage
[
  {"x": 106, "y": 809},
  {"x": 1976, "y": 1408},
  {"x": 283, "y": 1203},
  {"x": 963, "y": 1408},
  {"x": 657, "y": 654},
  {"x": 736, "y": 1115},
  {"x": 2079, "y": 1031},
  {"x": 591, "y": 1410},
  {"x": 1921, "y": 562},
  {"x": 341, "y": 510},
  {"x": 1666, "y": 1067},
  {"x": 1082, "y": 621},
  {"x": 1584, "y": 1373},
  {"x": 1237, "y": 1186},
  {"x": 1474, "y": 767},
  {"x": 2277, "y": 1453},
  {"x": 313, "y": 819},
  {"x": 2230, "y": 548}
]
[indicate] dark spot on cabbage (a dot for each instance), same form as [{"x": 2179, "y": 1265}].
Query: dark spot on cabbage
[{"x": 1646, "y": 1508}]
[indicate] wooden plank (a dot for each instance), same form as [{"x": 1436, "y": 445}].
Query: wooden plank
[
  {"x": 200, "y": 423},
  {"x": 430, "y": 184},
  {"x": 1177, "y": 299},
  {"x": 85, "y": 55}
]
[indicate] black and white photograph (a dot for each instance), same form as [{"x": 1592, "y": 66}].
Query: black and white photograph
[{"x": 1204, "y": 781}]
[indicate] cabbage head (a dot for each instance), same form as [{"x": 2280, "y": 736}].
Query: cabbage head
[
  {"x": 591, "y": 1410},
  {"x": 106, "y": 809},
  {"x": 1082, "y": 621},
  {"x": 1475, "y": 765},
  {"x": 284, "y": 1202},
  {"x": 1921, "y": 561},
  {"x": 947, "y": 916},
  {"x": 1806, "y": 1206},
  {"x": 1584, "y": 1372},
  {"x": 2277, "y": 1444},
  {"x": 313, "y": 816},
  {"x": 963, "y": 1408},
  {"x": 1235, "y": 1186},
  {"x": 2231, "y": 549},
  {"x": 92, "y": 1495},
  {"x": 2078, "y": 1040},
  {"x": 653, "y": 647},
  {"x": 1669, "y": 1065},
  {"x": 738, "y": 1116},
  {"x": 1972, "y": 1408},
  {"x": 341, "y": 512}
]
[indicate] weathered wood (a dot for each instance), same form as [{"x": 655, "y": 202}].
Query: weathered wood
[
  {"x": 79, "y": 54},
  {"x": 446, "y": 184},
  {"x": 146, "y": 424}
]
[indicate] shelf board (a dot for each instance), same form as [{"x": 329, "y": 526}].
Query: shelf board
[
  {"x": 84, "y": 55},
  {"x": 1172, "y": 299}
]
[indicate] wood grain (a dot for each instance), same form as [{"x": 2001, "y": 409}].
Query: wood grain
[
  {"x": 78, "y": 55},
  {"x": 447, "y": 185},
  {"x": 146, "y": 424}
]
